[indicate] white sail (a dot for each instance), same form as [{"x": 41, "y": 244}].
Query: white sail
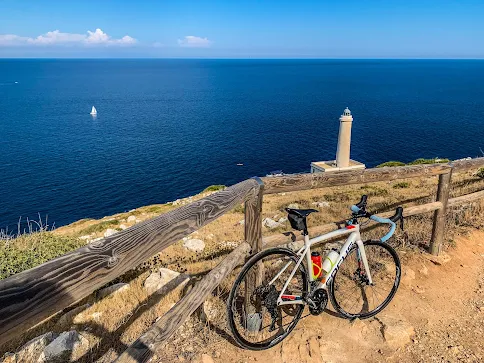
[{"x": 93, "y": 111}]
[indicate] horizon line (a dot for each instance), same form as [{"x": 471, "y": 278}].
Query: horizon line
[{"x": 240, "y": 58}]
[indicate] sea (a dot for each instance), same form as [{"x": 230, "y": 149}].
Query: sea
[{"x": 168, "y": 128}]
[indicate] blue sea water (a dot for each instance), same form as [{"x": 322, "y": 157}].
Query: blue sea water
[{"x": 168, "y": 128}]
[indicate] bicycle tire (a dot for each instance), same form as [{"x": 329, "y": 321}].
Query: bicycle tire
[
  {"x": 241, "y": 341},
  {"x": 386, "y": 301}
]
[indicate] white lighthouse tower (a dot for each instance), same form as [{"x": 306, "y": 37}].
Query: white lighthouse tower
[{"x": 343, "y": 161}]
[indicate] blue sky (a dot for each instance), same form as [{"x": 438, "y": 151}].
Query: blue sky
[{"x": 243, "y": 29}]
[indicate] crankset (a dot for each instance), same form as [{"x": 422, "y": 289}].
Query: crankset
[{"x": 318, "y": 302}]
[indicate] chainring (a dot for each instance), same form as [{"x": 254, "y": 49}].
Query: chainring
[{"x": 319, "y": 301}]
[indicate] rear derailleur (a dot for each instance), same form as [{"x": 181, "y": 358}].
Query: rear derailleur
[{"x": 266, "y": 296}]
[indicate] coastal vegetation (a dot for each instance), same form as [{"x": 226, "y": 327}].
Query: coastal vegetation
[
  {"x": 480, "y": 173},
  {"x": 32, "y": 249},
  {"x": 214, "y": 188},
  {"x": 415, "y": 162}
]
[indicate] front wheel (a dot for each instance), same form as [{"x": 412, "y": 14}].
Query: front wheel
[
  {"x": 254, "y": 317},
  {"x": 350, "y": 291}
]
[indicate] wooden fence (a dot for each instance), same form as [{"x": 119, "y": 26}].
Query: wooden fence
[{"x": 31, "y": 296}]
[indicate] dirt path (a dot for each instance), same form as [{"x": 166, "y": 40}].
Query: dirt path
[{"x": 438, "y": 312}]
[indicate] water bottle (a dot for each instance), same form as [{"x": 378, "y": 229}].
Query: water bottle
[
  {"x": 330, "y": 261},
  {"x": 316, "y": 259}
]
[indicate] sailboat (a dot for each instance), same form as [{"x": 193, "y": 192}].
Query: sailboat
[{"x": 93, "y": 111}]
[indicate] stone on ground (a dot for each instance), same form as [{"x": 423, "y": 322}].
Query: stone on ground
[
  {"x": 210, "y": 310},
  {"x": 441, "y": 259},
  {"x": 113, "y": 289},
  {"x": 109, "y": 232},
  {"x": 194, "y": 245},
  {"x": 270, "y": 223},
  {"x": 397, "y": 332},
  {"x": 159, "y": 281},
  {"x": 31, "y": 351},
  {"x": 131, "y": 219},
  {"x": 321, "y": 204},
  {"x": 67, "y": 345}
]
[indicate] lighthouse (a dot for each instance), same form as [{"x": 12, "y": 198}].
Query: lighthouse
[
  {"x": 343, "y": 160},
  {"x": 344, "y": 139}
]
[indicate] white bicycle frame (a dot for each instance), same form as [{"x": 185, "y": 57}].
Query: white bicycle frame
[{"x": 305, "y": 251}]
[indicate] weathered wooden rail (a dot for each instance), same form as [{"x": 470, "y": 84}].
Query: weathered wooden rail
[{"x": 33, "y": 295}]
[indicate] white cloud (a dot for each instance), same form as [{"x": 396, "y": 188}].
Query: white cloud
[
  {"x": 97, "y": 37},
  {"x": 191, "y": 41}
]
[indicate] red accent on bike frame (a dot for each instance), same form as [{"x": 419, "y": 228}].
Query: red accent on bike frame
[
  {"x": 288, "y": 297},
  {"x": 350, "y": 227}
]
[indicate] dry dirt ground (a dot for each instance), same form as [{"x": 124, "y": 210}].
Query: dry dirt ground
[{"x": 443, "y": 303}]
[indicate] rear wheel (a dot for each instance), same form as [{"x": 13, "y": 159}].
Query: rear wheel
[
  {"x": 253, "y": 315},
  {"x": 350, "y": 291}
]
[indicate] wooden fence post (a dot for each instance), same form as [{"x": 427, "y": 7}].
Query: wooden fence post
[
  {"x": 438, "y": 228},
  {"x": 253, "y": 218},
  {"x": 253, "y": 236}
]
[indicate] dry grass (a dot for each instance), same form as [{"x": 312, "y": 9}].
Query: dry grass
[{"x": 114, "y": 322}]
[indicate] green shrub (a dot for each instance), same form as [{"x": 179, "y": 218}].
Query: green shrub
[
  {"x": 428, "y": 161},
  {"x": 29, "y": 250},
  {"x": 391, "y": 163},
  {"x": 99, "y": 227},
  {"x": 480, "y": 173},
  {"x": 214, "y": 188},
  {"x": 401, "y": 185}
]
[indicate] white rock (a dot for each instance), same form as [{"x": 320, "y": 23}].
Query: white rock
[
  {"x": 113, "y": 289},
  {"x": 31, "y": 351},
  {"x": 242, "y": 222},
  {"x": 210, "y": 236},
  {"x": 66, "y": 345},
  {"x": 321, "y": 204},
  {"x": 209, "y": 311},
  {"x": 109, "y": 232},
  {"x": 123, "y": 226},
  {"x": 270, "y": 223},
  {"x": 396, "y": 331},
  {"x": 282, "y": 220},
  {"x": 131, "y": 219},
  {"x": 293, "y": 206},
  {"x": 161, "y": 278},
  {"x": 194, "y": 245},
  {"x": 85, "y": 237},
  {"x": 97, "y": 239}
]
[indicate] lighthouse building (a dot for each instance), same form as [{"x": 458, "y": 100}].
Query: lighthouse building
[{"x": 343, "y": 160}]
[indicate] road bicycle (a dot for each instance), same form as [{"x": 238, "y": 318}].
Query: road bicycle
[{"x": 274, "y": 286}]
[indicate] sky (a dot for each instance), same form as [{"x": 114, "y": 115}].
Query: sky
[{"x": 242, "y": 29}]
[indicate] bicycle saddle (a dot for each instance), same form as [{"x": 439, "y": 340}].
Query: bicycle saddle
[{"x": 301, "y": 212}]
